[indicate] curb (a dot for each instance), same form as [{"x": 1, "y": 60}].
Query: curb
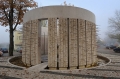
[
  {"x": 99, "y": 56},
  {"x": 12, "y": 58}
]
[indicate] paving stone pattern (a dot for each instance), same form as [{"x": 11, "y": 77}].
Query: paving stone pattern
[{"x": 111, "y": 71}]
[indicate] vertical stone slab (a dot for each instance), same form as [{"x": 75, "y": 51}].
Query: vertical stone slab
[
  {"x": 82, "y": 43},
  {"x": 94, "y": 52},
  {"x": 33, "y": 42},
  {"x": 88, "y": 44},
  {"x": 90, "y": 30},
  {"x": 92, "y": 56},
  {"x": 37, "y": 41},
  {"x": 32, "y": 45},
  {"x": 73, "y": 57},
  {"x": 28, "y": 30},
  {"x": 39, "y": 45},
  {"x": 52, "y": 43},
  {"x": 24, "y": 44},
  {"x": 63, "y": 43}
]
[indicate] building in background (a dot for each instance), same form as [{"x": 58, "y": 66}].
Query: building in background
[{"x": 18, "y": 35}]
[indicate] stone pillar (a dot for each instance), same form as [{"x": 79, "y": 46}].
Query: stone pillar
[
  {"x": 94, "y": 46},
  {"x": 73, "y": 52},
  {"x": 88, "y": 44},
  {"x": 31, "y": 43},
  {"x": 28, "y": 45},
  {"x": 24, "y": 44},
  {"x": 82, "y": 43},
  {"x": 52, "y": 43},
  {"x": 37, "y": 40},
  {"x": 63, "y": 43}
]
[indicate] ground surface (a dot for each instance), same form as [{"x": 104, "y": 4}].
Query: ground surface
[{"x": 111, "y": 71}]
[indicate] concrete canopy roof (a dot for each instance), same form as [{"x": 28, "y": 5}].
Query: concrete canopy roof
[{"x": 59, "y": 12}]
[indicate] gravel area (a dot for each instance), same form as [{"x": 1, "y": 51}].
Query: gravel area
[{"x": 110, "y": 71}]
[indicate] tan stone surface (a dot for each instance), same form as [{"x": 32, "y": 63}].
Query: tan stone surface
[
  {"x": 63, "y": 43},
  {"x": 94, "y": 46},
  {"x": 31, "y": 43},
  {"x": 52, "y": 42},
  {"x": 73, "y": 52},
  {"x": 88, "y": 43},
  {"x": 82, "y": 44}
]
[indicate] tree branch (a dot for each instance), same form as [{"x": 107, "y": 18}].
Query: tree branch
[
  {"x": 17, "y": 19},
  {"x": 6, "y": 14}
]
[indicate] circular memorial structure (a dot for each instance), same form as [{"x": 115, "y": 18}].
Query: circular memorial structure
[{"x": 71, "y": 37}]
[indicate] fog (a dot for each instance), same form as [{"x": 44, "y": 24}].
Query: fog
[{"x": 4, "y": 36}]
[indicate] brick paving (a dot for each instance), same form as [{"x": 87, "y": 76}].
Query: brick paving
[{"x": 111, "y": 71}]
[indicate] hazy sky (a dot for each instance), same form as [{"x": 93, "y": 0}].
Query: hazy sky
[{"x": 103, "y": 9}]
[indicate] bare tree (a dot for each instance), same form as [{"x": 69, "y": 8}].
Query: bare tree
[{"x": 114, "y": 25}]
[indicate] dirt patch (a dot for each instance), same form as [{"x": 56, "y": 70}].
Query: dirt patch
[{"x": 18, "y": 61}]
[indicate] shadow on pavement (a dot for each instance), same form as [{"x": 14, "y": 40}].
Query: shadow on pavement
[
  {"x": 11, "y": 67},
  {"x": 105, "y": 70},
  {"x": 78, "y": 75},
  {"x": 114, "y": 65},
  {"x": 115, "y": 62},
  {"x": 7, "y": 77}
]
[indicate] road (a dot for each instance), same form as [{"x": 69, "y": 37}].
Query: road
[{"x": 14, "y": 54}]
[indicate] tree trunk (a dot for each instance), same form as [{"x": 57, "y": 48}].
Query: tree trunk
[{"x": 11, "y": 45}]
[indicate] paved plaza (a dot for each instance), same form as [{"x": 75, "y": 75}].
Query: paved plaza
[{"x": 111, "y": 71}]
